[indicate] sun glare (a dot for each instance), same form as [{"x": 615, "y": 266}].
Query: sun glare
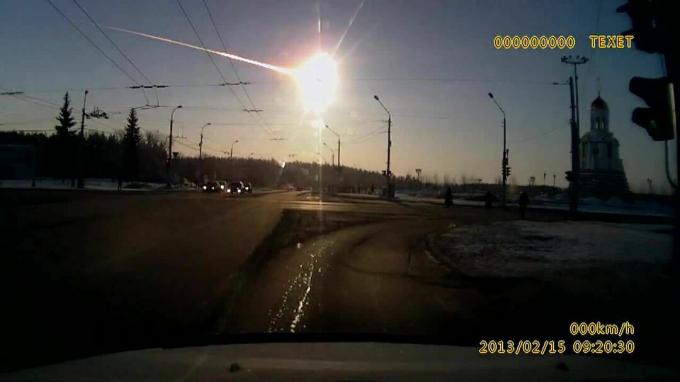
[{"x": 317, "y": 79}]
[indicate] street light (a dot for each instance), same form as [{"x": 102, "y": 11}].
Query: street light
[
  {"x": 337, "y": 135},
  {"x": 575, "y": 138},
  {"x": 388, "y": 173},
  {"x": 200, "y": 143},
  {"x": 231, "y": 152},
  {"x": 504, "y": 161},
  {"x": 332, "y": 154},
  {"x": 169, "y": 164}
]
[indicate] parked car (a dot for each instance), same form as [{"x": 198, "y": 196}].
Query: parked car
[
  {"x": 235, "y": 188},
  {"x": 247, "y": 187},
  {"x": 212, "y": 187}
]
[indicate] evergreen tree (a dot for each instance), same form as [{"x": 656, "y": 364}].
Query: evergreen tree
[
  {"x": 65, "y": 118},
  {"x": 63, "y": 154},
  {"x": 131, "y": 142}
]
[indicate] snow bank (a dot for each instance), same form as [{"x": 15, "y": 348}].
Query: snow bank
[{"x": 536, "y": 249}]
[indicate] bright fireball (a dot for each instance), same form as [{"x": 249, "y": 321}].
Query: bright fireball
[{"x": 317, "y": 79}]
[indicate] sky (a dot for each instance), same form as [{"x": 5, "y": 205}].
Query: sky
[{"x": 432, "y": 64}]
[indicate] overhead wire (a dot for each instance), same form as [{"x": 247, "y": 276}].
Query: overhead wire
[
  {"x": 212, "y": 60},
  {"x": 227, "y": 49},
  {"x": 100, "y": 50},
  {"x": 127, "y": 58}
]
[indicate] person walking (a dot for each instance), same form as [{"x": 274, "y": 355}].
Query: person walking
[
  {"x": 523, "y": 202},
  {"x": 488, "y": 199},
  {"x": 448, "y": 198}
]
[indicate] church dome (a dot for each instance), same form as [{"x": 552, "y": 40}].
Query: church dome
[{"x": 599, "y": 103}]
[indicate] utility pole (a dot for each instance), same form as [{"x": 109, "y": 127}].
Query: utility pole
[
  {"x": 575, "y": 157},
  {"x": 505, "y": 169},
  {"x": 231, "y": 151},
  {"x": 388, "y": 173},
  {"x": 332, "y": 154},
  {"x": 200, "y": 143},
  {"x": 169, "y": 164},
  {"x": 200, "y": 152},
  {"x": 337, "y": 135},
  {"x": 575, "y": 132},
  {"x": 81, "y": 143}
]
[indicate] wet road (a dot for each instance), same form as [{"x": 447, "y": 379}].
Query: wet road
[
  {"x": 85, "y": 272},
  {"x": 88, "y": 273}
]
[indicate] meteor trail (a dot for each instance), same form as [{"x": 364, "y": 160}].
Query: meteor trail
[
  {"x": 317, "y": 77},
  {"x": 223, "y": 54}
]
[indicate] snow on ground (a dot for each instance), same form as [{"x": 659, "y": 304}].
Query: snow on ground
[
  {"x": 90, "y": 184},
  {"x": 561, "y": 202},
  {"x": 539, "y": 249}
]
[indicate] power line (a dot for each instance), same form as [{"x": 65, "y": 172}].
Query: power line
[
  {"x": 200, "y": 41},
  {"x": 118, "y": 49},
  {"x": 86, "y": 37},
  {"x": 212, "y": 60},
  {"x": 226, "y": 48},
  {"x": 445, "y": 79}
]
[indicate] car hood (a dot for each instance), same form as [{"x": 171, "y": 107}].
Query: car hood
[{"x": 335, "y": 361}]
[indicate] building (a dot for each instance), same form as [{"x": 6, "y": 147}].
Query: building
[{"x": 602, "y": 174}]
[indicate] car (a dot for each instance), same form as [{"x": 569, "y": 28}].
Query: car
[
  {"x": 212, "y": 187},
  {"x": 235, "y": 188},
  {"x": 247, "y": 187}
]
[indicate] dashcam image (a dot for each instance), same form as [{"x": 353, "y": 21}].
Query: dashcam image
[{"x": 339, "y": 190}]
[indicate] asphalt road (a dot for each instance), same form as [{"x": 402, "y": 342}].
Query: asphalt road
[{"x": 85, "y": 273}]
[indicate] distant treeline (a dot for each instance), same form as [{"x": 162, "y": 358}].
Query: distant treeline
[{"x": 130, "y": 156}]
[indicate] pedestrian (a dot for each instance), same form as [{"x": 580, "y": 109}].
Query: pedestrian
[
  {"x": 488, "y": 199},
  {"x": 523, "y": 202},
  {"x": 448, "y": 197}
]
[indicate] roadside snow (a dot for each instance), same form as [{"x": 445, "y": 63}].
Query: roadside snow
[
  {"x": 56, "y": 184},
  {"x": 536, "y": 249}
]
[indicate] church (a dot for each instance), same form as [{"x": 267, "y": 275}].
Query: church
[{"x": 602, "y": 174}]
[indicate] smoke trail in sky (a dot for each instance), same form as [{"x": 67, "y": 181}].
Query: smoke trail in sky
[{"x": 224, "y": 54}]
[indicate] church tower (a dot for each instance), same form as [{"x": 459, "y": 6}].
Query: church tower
[{"x": 602, "y": 172}]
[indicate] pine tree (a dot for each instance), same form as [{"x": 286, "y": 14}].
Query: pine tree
[
  {"x": 63, "y": 154},
  {"x": 65, "y": 118},
  {"x": 131, "y": 141}
]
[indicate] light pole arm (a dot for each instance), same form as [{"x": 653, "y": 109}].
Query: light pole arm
[
  {"x": 332, "y": 131},
  {"x": 389, "y": 115},
  {"x": 499, "y": 107}
]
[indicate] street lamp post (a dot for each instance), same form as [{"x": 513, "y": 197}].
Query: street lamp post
[
  {"x": 169, "y": 164},
  {"x": 388, "y": 173},
  {"x": 504, "y": 161},
  {"x": 337, "y": 135},
  {"x": 200, "y": 152},
  {"x": 200, "y": 143},
  {"x": 231, "y": 151},
  {"x": 575, "y": 131},
  {"x": 332, "y": 154},
  {"x": 573, "y": 176}
]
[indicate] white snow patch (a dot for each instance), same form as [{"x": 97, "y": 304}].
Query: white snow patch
[{"x": 523, "y": 248}]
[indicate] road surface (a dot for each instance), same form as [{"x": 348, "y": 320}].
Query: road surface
[{"x": 87, "y": 272}]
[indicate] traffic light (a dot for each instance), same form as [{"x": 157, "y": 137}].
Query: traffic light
[
  {"x": 646, "y": 18},
  {"x": 653, "y": 25},
  {"x": 658, "y": 118},
  {"x": 506, "y": 171}
]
